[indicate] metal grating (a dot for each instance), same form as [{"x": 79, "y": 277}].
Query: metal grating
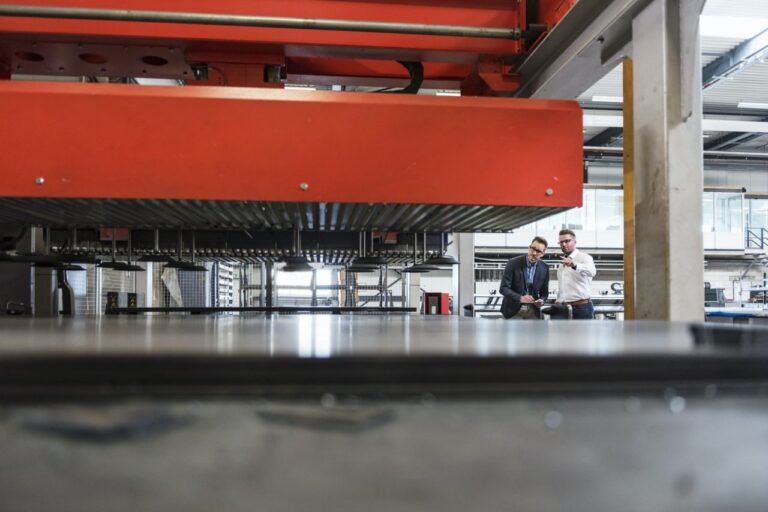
[
  {"x": 195, "y": 214},
  {"x": 115, "y": 281},
  {"x": 192, "y": 287}
]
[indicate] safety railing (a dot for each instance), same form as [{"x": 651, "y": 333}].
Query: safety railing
[{"x": 756, "y": 238}]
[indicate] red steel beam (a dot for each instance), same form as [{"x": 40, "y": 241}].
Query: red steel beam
[
  {"x": 476, "y": 13},
  {"x": 119, "y": 141}
]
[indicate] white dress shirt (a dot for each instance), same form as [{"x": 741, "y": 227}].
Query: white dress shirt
[{"x": 573, "y": 284}]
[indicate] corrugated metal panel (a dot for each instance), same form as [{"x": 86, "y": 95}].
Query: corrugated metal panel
[
  {"x": 736, "y": 8},
  {"x": 262, "y": 215},
  {"x": 751, "y": 84},
  {"x": 714, "y": 46}
]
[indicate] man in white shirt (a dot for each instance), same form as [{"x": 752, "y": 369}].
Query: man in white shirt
[{"x": 574, "y": 277}]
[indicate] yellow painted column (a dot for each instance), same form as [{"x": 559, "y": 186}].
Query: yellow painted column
[{"x": 629, "y": 194}]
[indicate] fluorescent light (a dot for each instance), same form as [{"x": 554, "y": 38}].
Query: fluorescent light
[
  {"x": 747, "y": 104},
  {"x": 447, "y": 92},
  {"x": 608, "y": 99},
  {"x": 299, "y": 88}
]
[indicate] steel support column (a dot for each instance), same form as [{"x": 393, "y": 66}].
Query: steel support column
[
  {"x": 465, "y": 243},
  {"x": 668, "y": 161},
  {"x": 43, "y": 280}
]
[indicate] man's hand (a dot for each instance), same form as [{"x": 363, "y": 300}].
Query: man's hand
[
  {"x": 538, "y": 303},
  {"x": 568, "y": 262},
  {"x": 528, "y": 299}
]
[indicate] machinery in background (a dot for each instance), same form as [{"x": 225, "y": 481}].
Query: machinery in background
[
  {"x": 436, "y": 303},
  {"x": 713, "y": 297},
  {"x": 259, "y": 172}
]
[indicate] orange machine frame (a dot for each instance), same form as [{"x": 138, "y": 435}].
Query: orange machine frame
[{"x": 64, "y": 140}]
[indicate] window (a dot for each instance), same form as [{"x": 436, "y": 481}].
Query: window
[
  {"x": 729, "y": 212},
  {"x": 609, "y": 206},
  {"x": 708, "y": 217},
  {"x": 758, "y": 214}
]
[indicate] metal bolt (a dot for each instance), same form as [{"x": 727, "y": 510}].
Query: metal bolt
[
  {"x": 303, "y": 185},
  {"x": 39, "y": 180},
  {"x": 549, "y": 192}
]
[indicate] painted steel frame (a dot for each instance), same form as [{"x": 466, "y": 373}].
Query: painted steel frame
[
  {"x": 121, "y": 141},
  {"x": 291, "y": 47}
]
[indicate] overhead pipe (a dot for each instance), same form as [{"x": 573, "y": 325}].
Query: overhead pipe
[
  {"x": 722, "y": 155},
  {"x": 238, "y": 20}
]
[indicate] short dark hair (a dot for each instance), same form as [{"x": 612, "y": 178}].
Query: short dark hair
[
  {"x": 567, "y": 232},
  {"x": 540, "y": 240}
]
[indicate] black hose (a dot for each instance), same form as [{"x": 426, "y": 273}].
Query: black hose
[{"x": 416, "y": 73}]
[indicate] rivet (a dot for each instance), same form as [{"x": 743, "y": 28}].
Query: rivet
[
  {"x": 39, "y": 180},
  {"x": 549, "y": 192},
  {"x": 303, "y": 185}
]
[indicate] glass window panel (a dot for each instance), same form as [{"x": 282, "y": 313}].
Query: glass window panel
[
  {"x": 554, "y": 223},
  {"x": 609, "y": 209},
  {"x": 575, "y": 219},
  {"x": 729, "y": 212},
  {"x": 294, "y": 284},
  {"x": 758, "y": 213},
  {"x": 708, "y": 218},
  {"x": 589, "y": 210},
  {"x": 528, "y": 227}
]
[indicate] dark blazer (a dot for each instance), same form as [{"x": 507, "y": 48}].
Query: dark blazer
[{"x": 513, "y": 284}]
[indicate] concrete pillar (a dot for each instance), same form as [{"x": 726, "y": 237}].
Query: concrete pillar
[
  {"x": 668, "y": 161},
  {"x": 465, "y": 271}
]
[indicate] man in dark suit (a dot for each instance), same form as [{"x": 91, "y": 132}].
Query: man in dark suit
[{"x": 525, "y": 284}]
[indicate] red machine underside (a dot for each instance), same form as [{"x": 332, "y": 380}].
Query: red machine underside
[
  {"x": 349, "y": 57},
  {"x": 454, "y": 163},
  {"x": 122, "y": 141}
]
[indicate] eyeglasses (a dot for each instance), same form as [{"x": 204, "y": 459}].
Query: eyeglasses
[
  {"x": 569, "y": 240},
  {"x": 535, "y": 250}
]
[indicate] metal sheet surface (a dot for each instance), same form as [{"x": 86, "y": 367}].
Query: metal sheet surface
[
  {"x": 306, "y": 355},
  {"x": 640, "y": 453},
  {"x": 322, "y": 336}
]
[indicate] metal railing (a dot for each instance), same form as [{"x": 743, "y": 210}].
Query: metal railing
[{"x": 756, "y": 238}]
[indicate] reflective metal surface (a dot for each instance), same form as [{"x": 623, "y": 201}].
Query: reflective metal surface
[
  {"x": 334, "y": 335},
  {"x": 640, "y": 453},
  {"x": 309, "y": 355},
  {"x": 679, "y": 425}
]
